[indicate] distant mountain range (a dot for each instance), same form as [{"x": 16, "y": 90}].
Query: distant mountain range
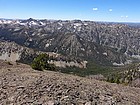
[
  {"x": 133, "y": 24},
  {"x": 99, "y": 42}
]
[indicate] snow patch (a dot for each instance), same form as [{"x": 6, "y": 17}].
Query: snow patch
[
  {"x": 60, "y": 24},
  {"x": 42, "y": 23},
  {"x": 77, "y": 24},
  {"x": 23, "y": 24},
  {"x": 47, "y": 45},
  {"x": 59, "y": 28},
  {"x": 82, "y": 49},
  {"x": 17, "y": 29},
  {"x": 118, "y": 64},
  {"x": 105, "y": 53},
  {"x": 5, "y": 21},
  {"x": 30, "y": 39},
  {"x": 85, "y": 24},
  {"x": 0, "y": 22},
  {"x": 33, "y": 23},
  {"x": 17, "y": 22}
]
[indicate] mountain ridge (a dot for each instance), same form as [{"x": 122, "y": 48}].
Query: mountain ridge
[{"x": 104, "y": 43}]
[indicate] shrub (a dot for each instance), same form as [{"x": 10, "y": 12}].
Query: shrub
[{"x": 41, "y": 62}]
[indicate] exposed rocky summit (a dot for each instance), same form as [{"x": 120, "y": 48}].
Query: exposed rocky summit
[
  {"x": 20, "y": 85},
  {"x": 104, "y": 43}
]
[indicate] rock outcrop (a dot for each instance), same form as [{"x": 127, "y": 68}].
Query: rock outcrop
[{"x": 11, "y": 51}]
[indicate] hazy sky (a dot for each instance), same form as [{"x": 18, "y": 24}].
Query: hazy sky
[{"x": 97, "y": 10}]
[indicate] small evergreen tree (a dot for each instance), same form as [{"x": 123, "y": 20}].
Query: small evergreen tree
[
  {"x": 41, "y": 62},
  {"x": 117, "y": 80}
]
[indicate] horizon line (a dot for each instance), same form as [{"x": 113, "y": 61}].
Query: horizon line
[{"x": 71, "y": 20}]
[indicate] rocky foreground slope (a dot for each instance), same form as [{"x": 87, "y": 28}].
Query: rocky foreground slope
[{"x": 20, "y": 85}]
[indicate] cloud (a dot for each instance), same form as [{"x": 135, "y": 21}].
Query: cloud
[
  {"x": 95, "y": 9},
  {"x": 124, "y": 16},
  {"x": 110, "y": 10}
]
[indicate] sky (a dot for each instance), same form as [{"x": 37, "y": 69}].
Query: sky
[{"x": 94, "y": 10}]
